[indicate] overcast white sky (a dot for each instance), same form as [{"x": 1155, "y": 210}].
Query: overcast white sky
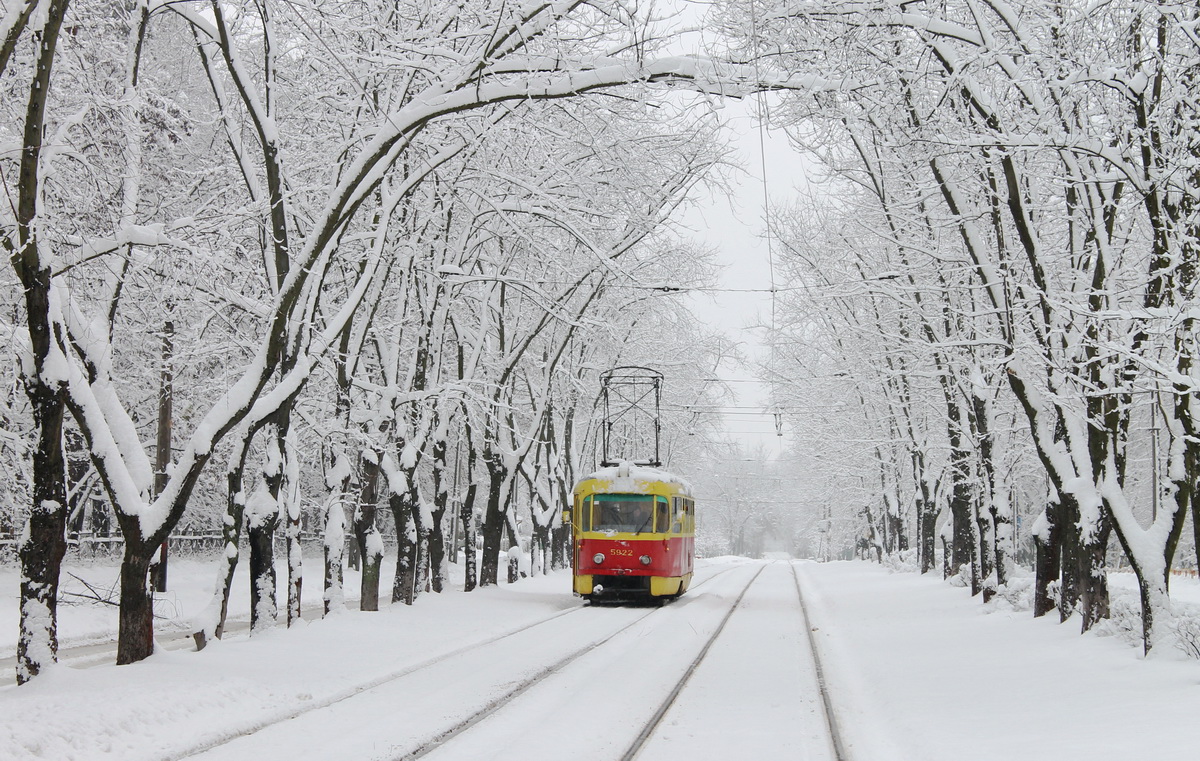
[{"x": 734, "y": 225}]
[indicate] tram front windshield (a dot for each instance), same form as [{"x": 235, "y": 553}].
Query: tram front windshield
[{"x": 629, "y": 513}]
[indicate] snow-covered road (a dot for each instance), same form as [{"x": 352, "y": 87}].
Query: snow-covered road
[
  {"x": 593, "y": 679},
  {"x": 917, "y": 671}
]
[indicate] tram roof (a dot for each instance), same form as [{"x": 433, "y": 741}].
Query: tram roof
[{"x": 628, "y": 478}]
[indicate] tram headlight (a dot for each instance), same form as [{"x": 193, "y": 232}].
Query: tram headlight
[
  {"x": 645, "y": 559},
  {"x": 598, "y": 558}
]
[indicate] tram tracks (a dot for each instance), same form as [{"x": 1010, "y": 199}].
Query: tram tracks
[
  {"x": 519, "y": 689},
  {"x": 836, "y": 743},
  {"x": 533, "y": 681},
  {"x": 426, "y": 745},
  {"x": 358, "y": 689},
  {"x": 648, "y": 729},
  {"x": 449, "y": 724},
  {"x": 582, "y": 693},
  {"x": 603, "y": 734}
]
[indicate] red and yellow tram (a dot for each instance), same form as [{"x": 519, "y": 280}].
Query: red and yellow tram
[{"x": 633, "y": 534}]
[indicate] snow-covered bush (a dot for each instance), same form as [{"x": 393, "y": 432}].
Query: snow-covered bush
[
  {"x": 1017, "y": 594},
  {"x": 904, "y": 561},
  {"x": 1186, "y": 630}
]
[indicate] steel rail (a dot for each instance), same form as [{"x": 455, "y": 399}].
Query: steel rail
[
  {"x": 835, "y": 734},
  {"x": 520, "y": 688},
  {"x": 649, "y": 727},
  {"x": 532, "y": 681},
  {"x": 357, "y": 689}
]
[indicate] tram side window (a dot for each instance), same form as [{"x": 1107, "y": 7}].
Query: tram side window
[{"x": 662, "y": 515}]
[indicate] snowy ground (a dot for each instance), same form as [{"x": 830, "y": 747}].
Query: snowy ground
[
  {"x": 917, "y": 670},
  {"x": 920, "y": 670}
]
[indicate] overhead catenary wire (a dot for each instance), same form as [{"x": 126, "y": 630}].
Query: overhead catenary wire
[
  {"x": 668, "y": 288},
  {"x": 760, "y": 118}
]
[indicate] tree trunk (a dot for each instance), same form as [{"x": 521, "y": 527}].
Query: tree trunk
[
  {"x": 1093, "y": 579},
  {"x": 961, "y": 503},
  {"x": 1002, "y": 533},
  {"x": 45, "y": 544},
  {"x": 437, "y": 534},
  {"x": 987, "y": 550},
  {"x": 1047, "y": 539},
  {"x": 421, "y": 579},
  {"x": 927, "y": 514},
  {"x": 437, "y": 551},
  {"x": 41, "y": 554},
  {"x": 466, "y": 515},
  {"x": 263, "y": 609},
  {"x": 1189, "y": 486},
  {"x": 560, "y": 547},
  {"x": 212, "y": 621},
  {"x": 337, "y": 481},
  {"x": 162, "y": 445},
  {"x": 262, "y": 525},
  {"x": 366, "y": 535},
  {"x": 963, "y": 536},
  {"x": 1069, "y": 586},
  {"x": 290, "y": 514},
  {"x": 295, "y": 559},
  {"x": 540, "y": 551},
  {"x": 334, "y": 543},
  {"x": 354, "y": 555},
  {"x": 135, "y": 638},
  {"x": 404, "y": 583},
  {"x": 467, "y": 507},
  {"x": 231, "y": 531},
  {"x": 1153, "y": 586},
  {"x": 1191, "y": 470},
  {"x": 493, "y": 525},
  {"x": 897, "y": 540},
  {"x": 928, "y": 520}
]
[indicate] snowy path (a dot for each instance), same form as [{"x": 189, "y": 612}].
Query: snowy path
[
  {"x": 102, "y": 653},
  {"x": 917, "y": 671},
  {"x": 404, "y": 713}
]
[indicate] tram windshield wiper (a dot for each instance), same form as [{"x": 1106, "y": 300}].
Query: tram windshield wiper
[{"x": 644, "y": 523}]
